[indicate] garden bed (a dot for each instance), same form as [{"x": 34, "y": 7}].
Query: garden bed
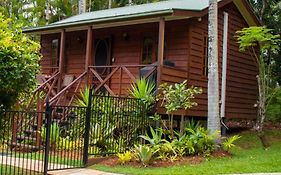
[
  {"x": 191, "y": 160},
  {"x": 248, "y": 157}
]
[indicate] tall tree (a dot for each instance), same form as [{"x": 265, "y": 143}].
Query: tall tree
[
  {"x": 249, "y": 38},
  {"x": 213, "y": 80},
  {"x": 269, "y": 13}
]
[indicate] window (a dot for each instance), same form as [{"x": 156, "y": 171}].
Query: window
[
  {"x": 55, "y": 53},
  {"x": 148, "y": 51},
  {"x": 205, "y": 56}
]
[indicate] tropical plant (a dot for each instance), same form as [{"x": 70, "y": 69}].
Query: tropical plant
[
  {"x": 144, "y": 154},
  {"x": 83, "y": 99},
  {"x": 143, "y": 90},
  {"x": 178, "y": 96},
  {"x": 202, "y": 140},
  {"x": 228, "y": 143},
  {"x": 54, "y": 134},
  {"x": 167, "y": 151},
  {"x": 192, "y": 124},
  {"x": 124, "y": 158},
  {"x": 156, "y": 136}
]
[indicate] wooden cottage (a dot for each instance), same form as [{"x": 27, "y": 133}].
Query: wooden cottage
[{"x": 164, "y": 41}]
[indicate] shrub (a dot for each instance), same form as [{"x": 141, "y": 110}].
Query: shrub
[
  {"x": 125, "y": 157},
  {"x": 69, "y": 145},
  {"x": 19, "y": 62},
  {"x": 228, "y": 143},
  {"x": 143, "y": 90},
  {"x": 145, "y": 153},
  {"x": 202, "y": 141},
  {"x": 156, "y": 136}
]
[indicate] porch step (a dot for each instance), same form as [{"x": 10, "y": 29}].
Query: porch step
[
  {"x": 21, "y": 138},
  {"x": 26, "y": 147},
  {"x": 31, "y": 133}
]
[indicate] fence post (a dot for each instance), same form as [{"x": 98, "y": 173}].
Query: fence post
[
  {"x": 48, "y": 113},
  {"x": 87, "y": 128}
]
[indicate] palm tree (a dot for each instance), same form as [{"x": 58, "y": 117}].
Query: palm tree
[{"x": 213, "y": 80}]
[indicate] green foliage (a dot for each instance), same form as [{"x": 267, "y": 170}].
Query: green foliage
[
  {"x": 202, "y": 141},
  {"x": 55, "y": 132},
  {"x": 19, "y": 62},
  {"x": 178, "y": 96},
  {"x": 144, "y": 154},
  {"x": 192, "y": 124},
  {"x": 249, "y": 158},
  {"x": 66, "y": 144},
  {"x": 228, "y": 143},
  {"x": 156, "y": 136},
  {"x": 83, "y": 99},
  {"x": 273, "y": 111},
  {"x": 269, "y": 44},
  {"x": 124, "y": 158},
  {"x": 195, "y": 140},
  {"x": 252, "y": 36},
  {"x": 111, "y": 118},
  {"x": 143, "y": 90}
]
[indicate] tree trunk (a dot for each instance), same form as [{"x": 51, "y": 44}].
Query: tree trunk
[
  {"x": 213, "y": 80},
  {"x": 261, "y": 113},
  {"x": 82, "y": 6},
  {"x": 109, "y": 4}
]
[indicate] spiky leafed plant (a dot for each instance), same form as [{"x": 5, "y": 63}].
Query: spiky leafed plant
[
  {"x": 83, "y": 99},
  {"x": 143, "y": 90}
]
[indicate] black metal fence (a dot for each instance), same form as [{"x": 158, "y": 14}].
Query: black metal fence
[
  {"x": 65, "y": 136},
  {"x": 115, "y": 124},
  {"x": 21, "y": 149}
]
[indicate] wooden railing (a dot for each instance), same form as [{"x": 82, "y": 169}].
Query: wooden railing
[
  {"x": 59, "y": 96},
  {"x": 118, "y": 75},
  {"x": 47, "y": 87},
  {"x": 115, "y": 81}
]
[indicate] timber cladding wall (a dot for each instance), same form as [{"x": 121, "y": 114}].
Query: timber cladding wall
[
  {"x": 241, "y": 90},
  {"x": 124, "y": 50},
  {"x": 184, "y": 41}
]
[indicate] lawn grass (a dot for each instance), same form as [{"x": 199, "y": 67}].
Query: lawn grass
[{"x": 249, "y": 157}]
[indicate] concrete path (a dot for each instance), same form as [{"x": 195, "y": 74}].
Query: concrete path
[
  {"x": 28, "y": 164},
  {"x": 81, "y": 171}
]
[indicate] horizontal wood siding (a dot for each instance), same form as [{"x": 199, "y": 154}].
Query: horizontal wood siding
[
  {"x": 183, "y": 46},
  {"x": 46, "y": 51},
  {"x": 241, "y": 90}
]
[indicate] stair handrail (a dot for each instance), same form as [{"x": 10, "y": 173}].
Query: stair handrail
[
  {"x": 46, "y": 82},
  {"x": 39, "y": 88},
  {"x": 52, "y": 100}
]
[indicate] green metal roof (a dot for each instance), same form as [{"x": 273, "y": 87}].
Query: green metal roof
[{"x": 163, "y": 7}]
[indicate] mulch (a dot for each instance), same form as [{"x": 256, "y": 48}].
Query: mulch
[{"x": 190, "y": 160}]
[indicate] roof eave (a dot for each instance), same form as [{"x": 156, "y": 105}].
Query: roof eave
[{"x": 168, "y": 12}]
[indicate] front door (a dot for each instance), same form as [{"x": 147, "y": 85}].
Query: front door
[{"x": 102, "y": 59}]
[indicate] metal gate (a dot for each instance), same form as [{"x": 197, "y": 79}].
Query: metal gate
[{"x": 65, "y": 137}]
